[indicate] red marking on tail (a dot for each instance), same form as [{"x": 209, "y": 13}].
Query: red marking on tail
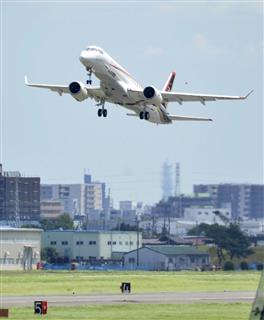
[{"x": 169, "y": 83}]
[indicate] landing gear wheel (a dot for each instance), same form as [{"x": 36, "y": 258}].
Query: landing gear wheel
[
  {"x": 141, "y": 115},
  {"x": 100, "y": 112},
  {"x": 89, "y": 81},
  {"x": 146, "y": 115},
  {"x": 105, "y": 113}
]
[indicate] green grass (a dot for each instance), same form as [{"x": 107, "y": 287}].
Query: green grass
[
  {"x": 65, "y": 282},
  {"x": 213, "y": 311}
]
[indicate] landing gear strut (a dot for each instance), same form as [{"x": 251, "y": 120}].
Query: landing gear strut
[
  {"x": 89, "y": 73},
  {"x": 144, "y": 115},
  {"x": 102, "y": 111}
]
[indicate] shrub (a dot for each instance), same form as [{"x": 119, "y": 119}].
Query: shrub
[
  {"x": 244, "y": 265},
  {"x": 228, "y": 265},
  {"x": 260, "y": 266}
]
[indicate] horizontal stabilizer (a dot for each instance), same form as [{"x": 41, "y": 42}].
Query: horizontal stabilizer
[
  {"x": 132, "y": 114},
  {"x": 186, "y": 118}
]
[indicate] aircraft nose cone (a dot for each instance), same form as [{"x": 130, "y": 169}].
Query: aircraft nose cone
[
  {"x": 83, "y": 56},
  {"x": 88, "y": 57}
]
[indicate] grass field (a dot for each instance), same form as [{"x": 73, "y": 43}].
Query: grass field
[
  {"x": 213, "y": 311},
  {"x": 65, "y": 282}
]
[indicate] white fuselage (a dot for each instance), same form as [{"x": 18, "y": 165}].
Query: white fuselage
[{"x": 116, "y": 82}]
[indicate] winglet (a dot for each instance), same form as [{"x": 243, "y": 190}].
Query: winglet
[
  {"x": 26, "y": 81},
  {"x": 247, "y": 95}
]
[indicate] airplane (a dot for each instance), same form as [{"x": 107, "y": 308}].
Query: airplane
[{"x": 117, "y": 86}]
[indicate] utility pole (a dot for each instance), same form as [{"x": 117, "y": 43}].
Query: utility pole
[{"x": 137, "y": 221}]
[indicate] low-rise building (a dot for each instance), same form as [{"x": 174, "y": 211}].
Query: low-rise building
[
  {"x": 91, "y": 245},
  {"x": 166, "y": 257},
  {"x": 208, "y": 215},
  {"x": 19, "y": 248}
]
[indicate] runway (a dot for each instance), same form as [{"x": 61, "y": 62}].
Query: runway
[{"x": 148, "y": 298}]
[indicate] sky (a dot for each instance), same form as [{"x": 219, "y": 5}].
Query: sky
[{"x": 214, "y": 47}]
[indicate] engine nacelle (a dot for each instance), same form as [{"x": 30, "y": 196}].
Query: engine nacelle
[
  {"x": 153, "y": 95},
  {"x": 78, "y": 91}
]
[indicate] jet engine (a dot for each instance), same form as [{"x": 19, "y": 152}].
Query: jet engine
[
  {"x": 153, "y": 95},
  {"x": 78, "y": 91}
]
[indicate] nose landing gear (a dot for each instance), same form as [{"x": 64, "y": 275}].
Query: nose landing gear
[{"x": 89, "y": 73}]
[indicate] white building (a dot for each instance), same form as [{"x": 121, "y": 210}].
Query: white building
[
  {"x": 19, "y": 248},
  {"x": 76, "y": 199},
  {"x": 91, "y": 245},
  {"x": 207, "y": 215},
  {"x": 174, "y": 226}
]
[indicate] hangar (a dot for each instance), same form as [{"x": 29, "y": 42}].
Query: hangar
[{"x": 19, "y": 248}]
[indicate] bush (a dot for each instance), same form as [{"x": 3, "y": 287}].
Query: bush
[
  {"x": 260, "y": 266},
  {"x": 228, "y": 265},
  {"x": 244, "y": 265}
]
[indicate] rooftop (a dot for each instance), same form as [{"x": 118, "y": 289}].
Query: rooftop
[{"x": 170, "y": 250}]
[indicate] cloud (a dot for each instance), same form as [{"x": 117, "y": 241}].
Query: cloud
[
  {"x": 201, "y": 44},
  {"x": 154, "y": 51}
]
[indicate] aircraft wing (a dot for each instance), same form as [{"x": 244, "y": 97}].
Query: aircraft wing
[
  {"x": 181, "y": 97},
  {"x": 60, "y": 89}
]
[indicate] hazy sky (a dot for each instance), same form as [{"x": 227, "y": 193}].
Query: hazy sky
[{"x": 215, "y": 47}]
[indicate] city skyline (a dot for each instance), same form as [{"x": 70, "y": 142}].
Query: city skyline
[
  {"x": 101, "y": 180},
  {"x": 213, "y": 49}
]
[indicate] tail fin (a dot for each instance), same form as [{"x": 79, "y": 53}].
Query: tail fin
[{"x": 169, "y": 83}]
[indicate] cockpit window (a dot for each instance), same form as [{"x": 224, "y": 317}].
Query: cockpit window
[{"x": 95, "y": 49}]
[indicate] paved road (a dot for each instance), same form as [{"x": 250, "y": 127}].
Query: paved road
[{"x": 161, "y": 298}]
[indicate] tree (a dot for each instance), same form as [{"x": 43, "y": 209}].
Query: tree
[
  {"x": 237, "y": 244},
  {"x": 217, "y": 233},
  {"x": 64, "y": 222},
  {"x": 49, "y": 254},
  {"x": 231, "y": 239},
  {"x": 164, "y": 234}
]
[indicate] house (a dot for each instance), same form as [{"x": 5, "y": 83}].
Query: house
[{"x": 166, "y": 257}]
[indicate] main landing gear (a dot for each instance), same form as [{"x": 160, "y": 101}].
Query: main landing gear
[
  {"x": 89, "y": 73},
  {"x": 144, "y": 115},
  {"x": 102, "y": 111}
]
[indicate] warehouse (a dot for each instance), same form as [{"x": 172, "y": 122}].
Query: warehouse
[
  {"x": 166, "y": 257},
  {"x": 19, "y": 248},
  {"x": 91, "y": 245}
]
